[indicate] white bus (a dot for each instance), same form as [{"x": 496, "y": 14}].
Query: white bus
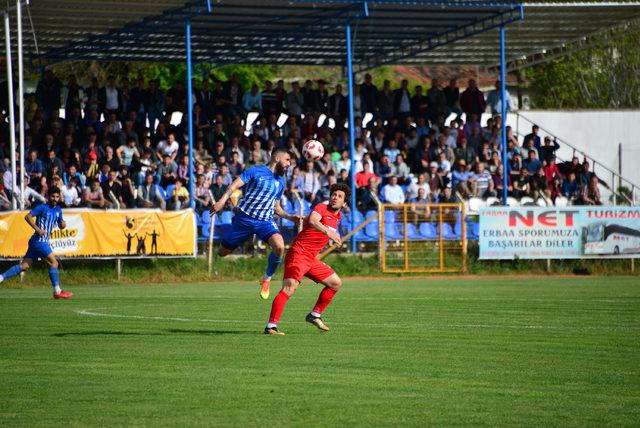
[{"x": 602, "y": 239}]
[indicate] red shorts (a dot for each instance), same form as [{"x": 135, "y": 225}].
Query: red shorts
[{"x": 297, "y": 265}]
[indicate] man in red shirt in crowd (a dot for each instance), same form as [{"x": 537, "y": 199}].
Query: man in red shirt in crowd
[
  {"x": 320, "y": 227},
  {"x": 362, "y": 178}
]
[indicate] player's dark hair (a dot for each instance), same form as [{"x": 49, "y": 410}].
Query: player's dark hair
[
  {"x": 342, "y": 187},
  {"x": 53, "y": 190},
  {"x": 276, "y": 151}
]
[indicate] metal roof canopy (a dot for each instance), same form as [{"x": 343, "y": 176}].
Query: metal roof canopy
[{"x": 312, "y": 32}]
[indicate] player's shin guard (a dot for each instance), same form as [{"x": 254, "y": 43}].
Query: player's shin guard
[
  {"x": 324, "y": 299},
  {"x": 11, "y": 272},
  {"x": 276, "y": 308},
  {"x": 273, "y": 262}
]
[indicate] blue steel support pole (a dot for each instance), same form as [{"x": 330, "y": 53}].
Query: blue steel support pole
[
  {"x": 190, "y": 114},
  {"x": 503, "y": 112},
  {"x": 352, "y": 137}
]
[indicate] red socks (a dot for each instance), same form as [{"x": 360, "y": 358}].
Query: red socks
[
  {"x": 324, "y": 299},
  {"x": 277, "y": 307}
]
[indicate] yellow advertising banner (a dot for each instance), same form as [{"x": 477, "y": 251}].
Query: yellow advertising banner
[{"x": 107, "y": 234}]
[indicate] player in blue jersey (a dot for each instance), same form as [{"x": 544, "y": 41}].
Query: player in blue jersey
[
  {"x": 42, "y": 219},
  {"x": 262, "y": 189}
]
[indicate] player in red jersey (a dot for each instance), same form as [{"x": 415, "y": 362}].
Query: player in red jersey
[{"x": 320, "y": 227}]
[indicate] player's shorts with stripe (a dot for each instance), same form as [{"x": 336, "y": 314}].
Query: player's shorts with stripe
[
  {"x": 297, "y": 265},
  {"x": 244, "y": 227},
  {"x": 38, "y": 250}
]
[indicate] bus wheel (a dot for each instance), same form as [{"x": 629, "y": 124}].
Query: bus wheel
[{"x": 616, "y": 250}]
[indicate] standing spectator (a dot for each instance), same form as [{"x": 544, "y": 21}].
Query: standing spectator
[
  {"x": 419, "y": 104},
  {"x": 369, "y": 95},
  {"x": 252, "y": 100},
  {"x": 338, "y": 107},
  {"x": 452, "y": 94},
  {"x": 385, "y": 102},
  {"x": 437, "y": 101},
  {"x": 402, "y": 101},
  {"x": 48, "y": 93},
  {"x": 154, "y": 106},
  {"x": 472, "y": 101},
  {"x": 111, "y": 96},
  {"x": 73, "y": 97},
  {"x": 270, "y": 103},
  {"x": 295, "y": 101},
  {"x": 233, "y": 95},
  {"x": 494, "y": 99}
]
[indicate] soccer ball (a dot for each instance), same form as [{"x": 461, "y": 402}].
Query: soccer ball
[{"x": 313, "y": 150}]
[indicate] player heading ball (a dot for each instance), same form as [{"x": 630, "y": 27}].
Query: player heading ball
[
  {"x": 320, "y": 227},
  {"x": 263, "y": 187}
]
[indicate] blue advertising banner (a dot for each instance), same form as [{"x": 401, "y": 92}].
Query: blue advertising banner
[{"x": 559, "y": 233}]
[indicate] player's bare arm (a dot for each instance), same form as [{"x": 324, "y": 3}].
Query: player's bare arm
[
  {"x": 219, "y": 205},
  {"x": 280, "y": 212},
  {"x": 62, "y": 225},
  {"x": 315, "y": 221},
  {"x": 31, "y": 221}
]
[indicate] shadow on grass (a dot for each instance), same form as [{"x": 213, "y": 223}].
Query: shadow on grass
[
  {"x": 103, "y": 333},
  {"x": 209, "y": 332}
]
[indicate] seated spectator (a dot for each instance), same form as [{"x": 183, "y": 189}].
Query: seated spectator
[
  {"x": 70, "y": 194},
  {"x": 235, "y": 167},
  {"x": 436, "y": 182},
  {"x": 521, "y": 185},
  {"x": 92, "y": 196},
  {"x": 310, "y": 183},
  {"x": 498, "y": 182},
  {"x": 448, "y": 196},
  {"x": 362, "y": 178},
  {"x": 218, "y": 188},
  {"x": 112, "y": 189},
  {"x": 128, "y": 153},
  {"x": 344, "y": 177},
  {"x": 555, "y": 187},
  {"x": 168, "y": 147},
  {"x": 344, "y": 162},
  {"x": 531, "y": 164},
  {"x": 128, "y": 189},
  {"x": 149, "y": 195},
  {"x": 533, "y": 137},
  {"x": 463, "y": 151},
  {"x": 167, "y": 171},
  {"x": 570, "y": 188},
  {"x": 227, "y": 179},
  {"x": 383, "y": 169},
  {"x": 252, "y": 99},
  {"x": 444, "y": 166},
  {"x": 548, "y": 151},
  {"x": 419, "y": 209},
  {"x": 551, "y": 169},
  {"x": 463, "y": 181},
  {"x": 179, "y": 198},
  {"x": 392, "y": 192},
  {"x": 539, "y": 185},
  {"x": 201, "y": 194},
  {"x": 369, "y": 196},
  {"x": 421, "y": 183},
  {"x": 590, "y": 194},
  {"x": 483, "y": 182},
  {"x": 400, "y": 170}
]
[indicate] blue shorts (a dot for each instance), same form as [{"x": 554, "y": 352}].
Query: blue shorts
[
  {"x": 244, "y": 226},
  {"x": 38, "y": 250}
]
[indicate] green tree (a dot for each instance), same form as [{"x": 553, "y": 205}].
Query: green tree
[{"x": 603, "y": 76}]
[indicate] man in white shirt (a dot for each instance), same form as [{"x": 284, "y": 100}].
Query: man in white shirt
[
  {"x": 70, "y": 194},
  {"x": 168, "y": 147},
  {"x": 112, "y": 96},
  {"x": 392, "y": 193},
  {"x": 412, "y": 189}
]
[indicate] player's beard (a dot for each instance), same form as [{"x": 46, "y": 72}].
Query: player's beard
[{"x": 279, "y": 169}]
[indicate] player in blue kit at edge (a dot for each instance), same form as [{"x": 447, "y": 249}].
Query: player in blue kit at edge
[
  {"x": 42, "y": 219},
  {"x": 263, "y": 188}
]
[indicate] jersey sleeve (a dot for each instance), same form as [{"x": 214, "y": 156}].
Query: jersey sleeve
[
  {"x": 248, "y": 174},
  {"x": 283, "y": 184},
  {"x": 36, "y": 211},
  {"x": 60, "y": 218},
  {"x": 320, "y": 209}
]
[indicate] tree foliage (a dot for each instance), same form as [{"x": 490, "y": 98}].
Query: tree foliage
[{"x": 603, "y": 76}]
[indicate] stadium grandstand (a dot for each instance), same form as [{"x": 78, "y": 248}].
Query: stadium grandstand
[{"x": 121, "y": 144}]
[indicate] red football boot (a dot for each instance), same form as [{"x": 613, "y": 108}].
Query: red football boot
[{"x": 63, "y": 295}]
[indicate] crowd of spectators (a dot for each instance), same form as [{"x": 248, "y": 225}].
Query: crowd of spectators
[{"x": 103, "y": 153}]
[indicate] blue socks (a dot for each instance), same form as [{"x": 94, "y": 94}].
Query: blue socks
[
  {"x": 55, "y": 279},
  {"x": 272, "y": 264},
  {"x": 12, "y": 271}
]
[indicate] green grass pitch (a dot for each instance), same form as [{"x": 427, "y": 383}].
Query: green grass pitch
[{"x": 493, "y": 352}]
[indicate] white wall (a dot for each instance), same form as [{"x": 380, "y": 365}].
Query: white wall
[{"x": 597, "y": 133}]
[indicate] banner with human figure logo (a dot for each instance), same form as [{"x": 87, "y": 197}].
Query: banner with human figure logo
[
  {"x": 559, "y": 233},
  {"x": 107, "y": 234}
]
